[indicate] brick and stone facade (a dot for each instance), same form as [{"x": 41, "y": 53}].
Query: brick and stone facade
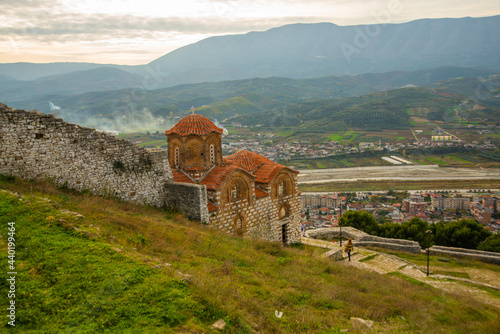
[{"x": 247, "y": 194}]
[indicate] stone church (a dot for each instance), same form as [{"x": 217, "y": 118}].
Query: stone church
[{"x": 247, "y": 194}]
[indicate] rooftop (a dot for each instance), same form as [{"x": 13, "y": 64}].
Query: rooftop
[{"x": 194, "y": 124}]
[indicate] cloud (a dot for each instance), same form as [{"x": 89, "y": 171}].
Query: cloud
[
  {"x": 87, "y": 27},
  {"x": 34, "y": 26}
]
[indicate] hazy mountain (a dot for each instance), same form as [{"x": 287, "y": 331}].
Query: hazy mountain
[
  {"x": 6, "y": 78},
  {"x": 32, "y": 71},
  {"x": 241, "y": 97},
  {"x": 315, "y": 50},
  {"x": 97, "y": 79},
  {"x": 293, "y": 51}
]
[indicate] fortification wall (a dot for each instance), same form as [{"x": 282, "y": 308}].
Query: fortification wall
[
  {"x": 35, "y": 145},
  {"x": 361, "y": 238},
  {"x": 490, "y": 257},
  {"x": 189, "y": 198}
]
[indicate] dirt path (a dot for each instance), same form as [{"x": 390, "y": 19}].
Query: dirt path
[{"x": 385, "y": 263}]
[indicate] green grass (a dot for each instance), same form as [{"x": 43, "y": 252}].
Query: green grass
[
  {"x": 459, "y": 159},
  {"x": 437, "y": 161},
  {"x": 336, "y": 136},
  {"x": 66, "y": 282},
  {"x": 451, "y": 273},
  {"x": 107, "y": 281},
  {"x": 408, "y": 279},
  {"x": 153, "y": 143},
  {"x": 368, "y": 258}
]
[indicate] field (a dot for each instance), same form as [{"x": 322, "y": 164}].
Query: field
[
  {"x": 96, "y": 265},
  {"x": 399, "y": 185}
]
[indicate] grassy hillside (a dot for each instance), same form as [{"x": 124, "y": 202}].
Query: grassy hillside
[{"x": 96, "y": 265}]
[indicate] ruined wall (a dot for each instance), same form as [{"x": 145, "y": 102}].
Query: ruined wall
[
  {"x": 188, "y": 198},
  {"x": 473, "y": 254},
  {"x": 35, "y": 145},
  {"x": 361, "y": 238}
]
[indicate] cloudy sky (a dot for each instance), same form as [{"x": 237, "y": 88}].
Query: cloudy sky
[{"x": 137, "y": 32}]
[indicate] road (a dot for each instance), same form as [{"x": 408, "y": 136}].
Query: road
[{"x": 396, "y": 173}]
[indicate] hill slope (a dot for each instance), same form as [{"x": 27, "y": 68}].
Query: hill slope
[
  {"x": 106, "y": 272},
  {"x": 241, "y": 97},
  {"x": 98, "y": 79}
]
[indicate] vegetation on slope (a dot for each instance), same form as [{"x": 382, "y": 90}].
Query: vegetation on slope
[
  {"x": 464, "y": 233},
  {"x": 99, "y": 274}
]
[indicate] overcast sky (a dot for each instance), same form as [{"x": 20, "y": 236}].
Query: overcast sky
[{"x": 137, "y": 32}]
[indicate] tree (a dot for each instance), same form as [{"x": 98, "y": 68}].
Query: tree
[
  {"x": 360, "y": 220},
  {"x": 465, "y": 233},
  {"x": 491, "y": 244}
]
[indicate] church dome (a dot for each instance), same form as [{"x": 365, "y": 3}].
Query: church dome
[{"x": 194, "y": 124}]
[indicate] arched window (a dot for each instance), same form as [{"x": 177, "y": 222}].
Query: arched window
[
  {"x": 234, "y": 193},
  {"x": 176, "y": 158},
  {"x": 239, "y": 223},
  {"x": 212, "y": 154},
  {"x": 282, "y": 188},
  {"x": 284, "y": 212}
]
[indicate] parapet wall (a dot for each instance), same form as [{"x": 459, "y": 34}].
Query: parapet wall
[
  {"x": 35, "y": 145},
  {"x": 490, "y": 257},
  {"x": 361, "y": 238},
  {"x": 189, "y": 198}
]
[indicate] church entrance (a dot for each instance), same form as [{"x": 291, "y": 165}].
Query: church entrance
[{"x": 284, "y": 236}]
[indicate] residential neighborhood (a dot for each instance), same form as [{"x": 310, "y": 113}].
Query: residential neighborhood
[{"x": 324, "y": 210}]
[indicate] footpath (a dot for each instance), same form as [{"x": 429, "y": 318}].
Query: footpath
[{"x": 383, "y": 263}]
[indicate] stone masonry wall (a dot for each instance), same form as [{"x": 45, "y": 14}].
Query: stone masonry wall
[
  {"x": 35, "y": 145},
  {"x": 261, "y": 217},
  {"x": 361, "y": 238},
  {"x": 189, "y": 198},
  {"x": 484, "y": 256}
]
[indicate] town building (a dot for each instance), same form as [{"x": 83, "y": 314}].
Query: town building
[{"x": 440, "y": 203}]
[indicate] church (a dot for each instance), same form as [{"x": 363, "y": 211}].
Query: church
[{"x": 247, "y": 194}]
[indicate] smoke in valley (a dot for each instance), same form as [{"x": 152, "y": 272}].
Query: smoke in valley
[{"x": 119, "y": 121}]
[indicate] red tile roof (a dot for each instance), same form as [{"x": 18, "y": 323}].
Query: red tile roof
[
  {"x": 194, "y": 124},
  {"x": 217, "y": 176},
  {"x": 260, "y": 193},
  {"x": 261, "y": 167},
  {"x": 248, "y": 160},
  {"x": 212, "y": 207},
  {"x": 181, "y": 177}
]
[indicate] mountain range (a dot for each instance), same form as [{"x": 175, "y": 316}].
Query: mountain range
[{"x": 261, "y": 71}]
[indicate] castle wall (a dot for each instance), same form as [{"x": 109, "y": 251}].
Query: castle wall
[
  {"x": 35, "y": 145},
  {"x": 189, "y": 198}
]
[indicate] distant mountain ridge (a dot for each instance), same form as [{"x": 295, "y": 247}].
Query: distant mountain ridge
[
  {"x": 228, "y": 98},
  {"x": 96, "y": 79},
  {"x": 308, "y": 51},
  {"x": 315, "y": 50}
]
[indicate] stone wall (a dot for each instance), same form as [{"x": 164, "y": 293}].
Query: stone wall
[
  {"x": 490, "y": 257},
  {"x": 261, "y": 219},
  {"x": 191, "y": 199},
  {"x": 35, "y": 145},
  {"x": 361, "y": 238}
]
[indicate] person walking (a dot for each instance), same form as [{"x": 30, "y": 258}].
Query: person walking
[{"x": 348, "y": 248}]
